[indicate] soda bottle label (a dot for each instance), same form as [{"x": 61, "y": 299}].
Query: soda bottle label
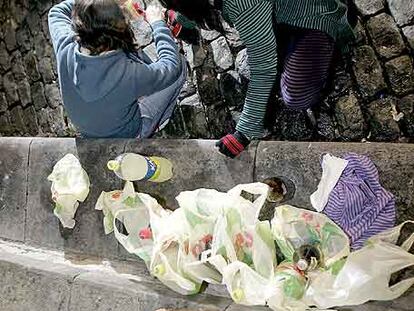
[{"x": 152, "y": 169}]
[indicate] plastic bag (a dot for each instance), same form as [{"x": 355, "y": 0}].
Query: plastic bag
[
  {"x": 70, "y": 184},
  {"x": 365, "y": 274},
  {"x": 294, "y": 227}
]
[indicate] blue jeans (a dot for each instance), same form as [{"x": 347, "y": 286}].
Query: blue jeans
[{"x": 157, "y": 109}]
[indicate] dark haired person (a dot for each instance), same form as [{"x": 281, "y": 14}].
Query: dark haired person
[
  {"x": 109, "y": 87},
  {"x": 303, "y": 31}
]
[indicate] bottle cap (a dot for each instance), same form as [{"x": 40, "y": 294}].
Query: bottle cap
[
  {"x": 238, "y": 295},
  {"x": 113, "y": 165},
  {"x": 159, "y": 270},
  {"x": 302, "y": 265}
]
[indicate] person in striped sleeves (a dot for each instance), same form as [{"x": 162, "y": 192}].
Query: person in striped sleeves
[{"x": 306, "y": 32}]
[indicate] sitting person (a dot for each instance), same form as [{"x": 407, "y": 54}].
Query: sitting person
[
  {"x": 299, "y": 36},
  {"x": 109, "y": 87}
]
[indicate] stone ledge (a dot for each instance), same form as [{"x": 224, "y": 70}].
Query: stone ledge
[{"x": 27, "y": 214}]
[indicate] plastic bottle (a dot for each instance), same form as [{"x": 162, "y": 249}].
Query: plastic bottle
[{"x": 132, "y": 167}]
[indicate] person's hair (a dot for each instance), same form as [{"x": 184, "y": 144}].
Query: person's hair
[
  {"x": 199, "y": 11},
  {"x": 101, "y": 25}
]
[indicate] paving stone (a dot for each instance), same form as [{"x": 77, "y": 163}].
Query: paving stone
[
  {"x": 360, "y": 34},
  {"x": 43, "y": 228},
  {"x": 30, "y": 120},
  {"x": 300, "y": 162},
  {"x": 23, "y": 39},
  {"x": 207, "y": 83},
  {"x": 232, "y": 89},
  {"x": 3, "y": 103},
  {"x": 232, "y": 171},
  {"x": 52, "y": 94},
  {"x": 326, "y": 127},
  {"x": 194, "y": 116},
  {"x": 45, "y": 69},
  {"x": 242, "y": 65},
  {"x": 34, "y": 23},
  {"x": 402, "y": 10},
  {"x": 209, "y": 35},
  {"x": 32, "y": 68},
  {"x": 409, "y": 34},
  {"x": 18, "y": 69},
  {"x": 38, "y": 95},
  {"x": 10, "y": 88},
  {"x": 349, "y": 117},
  {"x": 195, "y": 54},
  {"x": 368, "y": 71},
  {"x": 4, "y": 58},
  {"x": 56, "y": 121},
  {"x": 13, "y": 186},
  {"x": 291, "y": 125},
  {"x": 43, "y": 120},
  {"x": 42, "y": 47},
  {"x": 385, "y": 35},
  {"x": 6, "y": 128},
  {"x": 382, "y": 125},
  {"x": 23, "y": 88},
  {"x": 30, "y": 288},
  {"x": 10, "y": 35},
  {"x": 401, "y": 74},
  {"x": 406, "y": 106},
  {"x": 232, "y": 36},
  {"x": 369, "y": 7},
  {"x": 189, "y": 88},
  {"x": 221, "y": 54},
  {"x": 16, "y": 118}
]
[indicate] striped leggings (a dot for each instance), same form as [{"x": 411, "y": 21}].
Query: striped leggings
[{"x": 306, "y": 57}]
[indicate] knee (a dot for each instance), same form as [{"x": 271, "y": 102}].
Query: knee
[{"x": 296, "y": 96}]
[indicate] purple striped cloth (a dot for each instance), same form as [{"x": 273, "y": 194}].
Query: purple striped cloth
[{"x": 358, "y": 203}]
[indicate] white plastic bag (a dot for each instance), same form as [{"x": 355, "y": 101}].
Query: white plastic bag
[
  {"x": 365, "y": 274},
  {"x": 294, "y": 227},
  {"x": 70, "y": 184}
]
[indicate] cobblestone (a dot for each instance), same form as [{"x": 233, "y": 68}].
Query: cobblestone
[
  {"x": 401, "y": 74},
  {"x": 383, "y": 127},
  {"x": 32, "y": 69},
  {"x": 369, "y": 7},
  {"x": 10, "y": 88},
  {"x": 23, "y": 89},
  {"x": 386, "y": 36},
  {"x": 52, "y": 95},
  {"x": 38, "y": 95},
  {"x": 368, "y": 71}
]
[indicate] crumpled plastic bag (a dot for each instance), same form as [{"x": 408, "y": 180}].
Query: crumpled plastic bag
[
  {"x": 70, "y": 184},
  {"x": 294, "y": 227},
  {"x": 365, "y": 274}
]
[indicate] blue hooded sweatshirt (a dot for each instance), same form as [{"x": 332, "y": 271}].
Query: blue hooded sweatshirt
[{"x": 100, "y": 92}]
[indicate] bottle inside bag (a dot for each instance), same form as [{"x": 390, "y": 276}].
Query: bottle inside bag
[{"x": 133, "y": 167}]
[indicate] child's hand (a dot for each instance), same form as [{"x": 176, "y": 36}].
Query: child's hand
[{"x": 154, "y": 13}]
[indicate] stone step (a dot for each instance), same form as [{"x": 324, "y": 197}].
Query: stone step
[{"x": 43, "y": 280}]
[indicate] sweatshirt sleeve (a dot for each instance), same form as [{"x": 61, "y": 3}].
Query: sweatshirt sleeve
[
  {"x": 254, "y": 21},
  {"x": 151, "y": 78},
  {"x": 60, "y": 25}
]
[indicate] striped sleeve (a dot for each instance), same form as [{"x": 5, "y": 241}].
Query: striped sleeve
[{"x": 254, "y": 21}]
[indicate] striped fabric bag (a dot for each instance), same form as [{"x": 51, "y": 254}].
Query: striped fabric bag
[{"x": 358, "y": 203}]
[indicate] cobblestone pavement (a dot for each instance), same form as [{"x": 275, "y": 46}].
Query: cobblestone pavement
[{"x": 370, "y": 95}]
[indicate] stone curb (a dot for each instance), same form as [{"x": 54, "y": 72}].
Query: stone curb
[{"x": 26, "y": 208}]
